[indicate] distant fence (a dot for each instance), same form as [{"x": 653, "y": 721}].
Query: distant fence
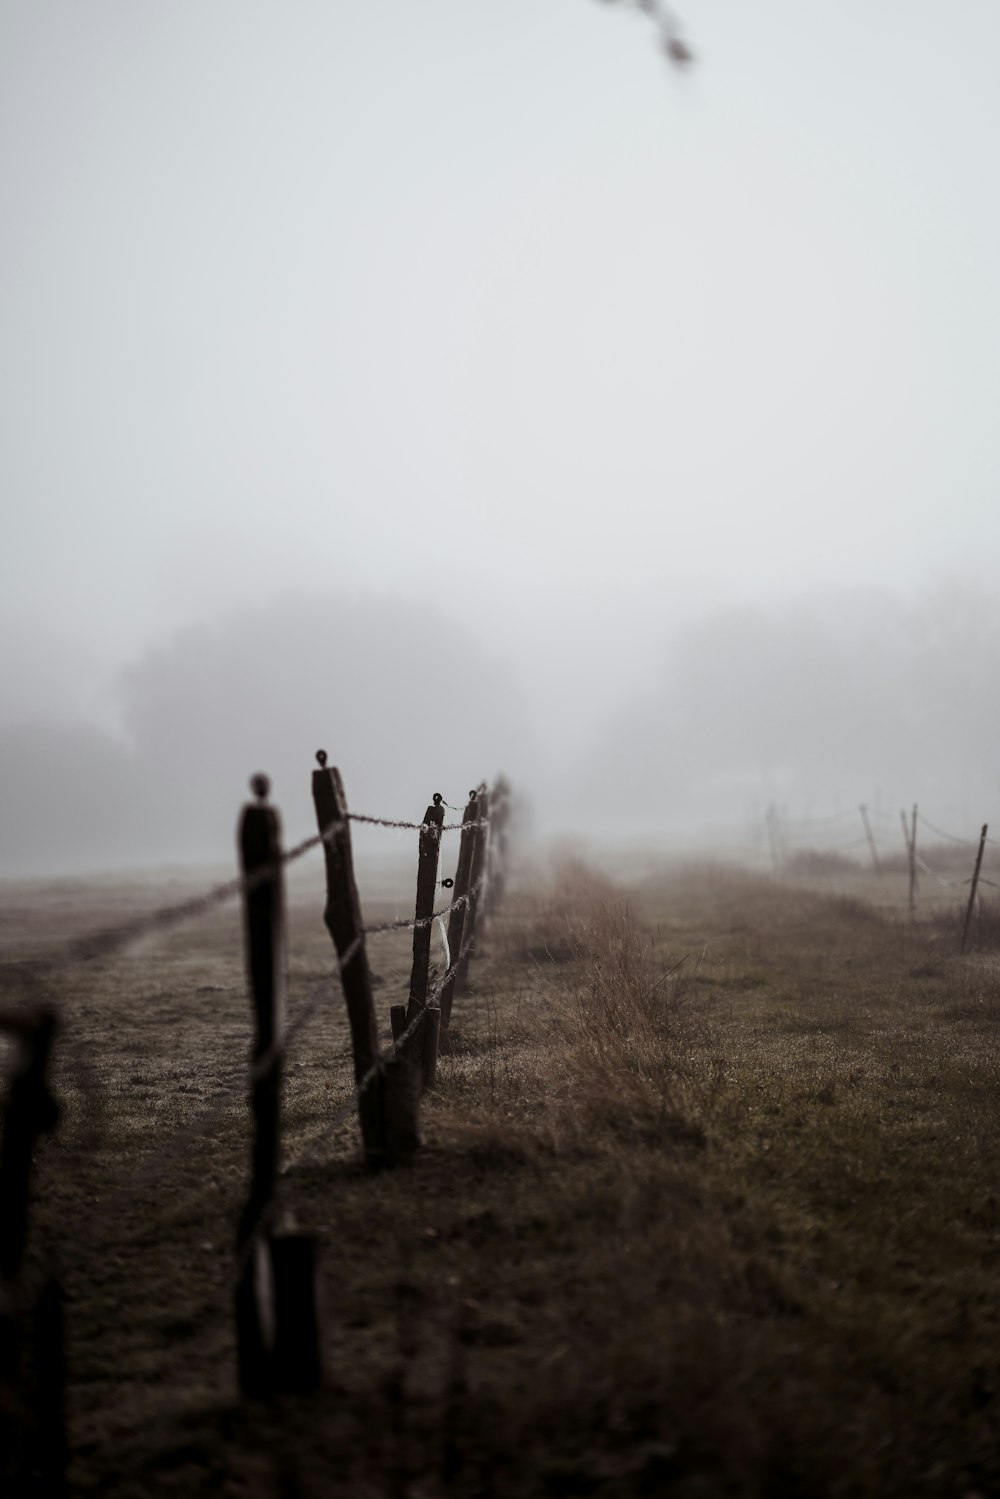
[
  {"x": 274, "y": 1280},
  {"x": 794, "y": 842}
]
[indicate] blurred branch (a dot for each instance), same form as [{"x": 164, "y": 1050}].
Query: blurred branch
[{"x": 672, "y": 41}]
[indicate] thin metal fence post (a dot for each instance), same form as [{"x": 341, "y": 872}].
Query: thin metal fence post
[
  {"x": 871, "y": 839},
  {"x": 975, "y": 885}
]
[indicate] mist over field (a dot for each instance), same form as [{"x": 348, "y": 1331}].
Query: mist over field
[
  {"x": 594, "y": 393},
  {"x": 812, "y": 706},
  {"x": 465, "y": 388}
]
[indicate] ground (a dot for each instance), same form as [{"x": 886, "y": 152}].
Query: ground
[{"x": 707, "y": 1203}]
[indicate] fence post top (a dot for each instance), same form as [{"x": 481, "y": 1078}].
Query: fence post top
[
  {"x": 260, "y": 785},
  {"x": 321, "y": 759}
]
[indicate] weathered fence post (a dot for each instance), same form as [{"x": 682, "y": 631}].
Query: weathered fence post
[
  {"x": 30, "y": 1111},
  {"x": 429, "y": 1029},
  {"x": 975, "y": 885},
  {"x": 460, "y": 902},
  {"x": 431, "y": 1044},
  {"x": 386, "y": 1101},
  {"x": 476, "y": 880},
  {"x": 498, "y": 845},
  {"x": 871, "y": 840},
  {"x": 298, "y": 1355},
  {"x": 264, "y": 937},
  {"x": 342, "y": 915},
  {"x": 277, "y": 1318},
  {"x": 48, "y": 1327},
  {"x": 912, "y": 906}
]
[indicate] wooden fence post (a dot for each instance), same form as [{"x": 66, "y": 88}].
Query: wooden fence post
[
  {"x": 264, "y": 938},
  {"x": 871, "y": 840},
  {"x": 498, "y": 844},
  {"x": 297, "y": 1366},
  {"x": 912, "y": 906},
  {"x": 476, "y": 880},
  {"x": 342, "y": 915},
  {"x": 30, "y": 1111},
  {"x": 428, "y": 1032},
  {"x": 386, "y": 1106},
  {"x": 49, "y": 1338},
  {"x": 975, "y": 885},
  {"x": 431, "y": 1044},
  {"x": 497, "y": 849},
  {"x": 277, "y": 1314},
  {"x": 460, "y": 893}
]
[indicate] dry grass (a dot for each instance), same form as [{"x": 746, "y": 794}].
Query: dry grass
[{"x": 707, "y": 1206}]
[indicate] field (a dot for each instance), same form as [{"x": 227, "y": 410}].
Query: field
[{"x": 708, "y": 1203}]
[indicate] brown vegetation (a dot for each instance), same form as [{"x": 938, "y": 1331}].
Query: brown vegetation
[{"x": 707, "y": 1205}]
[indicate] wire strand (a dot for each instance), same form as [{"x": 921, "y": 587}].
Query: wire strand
[
  {"x": 951, "y": 837},
  {"x": 107, "y": 940},
  {"x": 347, "y": 1107}
]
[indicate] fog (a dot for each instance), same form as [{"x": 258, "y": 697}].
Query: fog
[{"x": 465, "y": 387}]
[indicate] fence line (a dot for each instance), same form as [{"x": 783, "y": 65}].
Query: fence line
[
  {"x": 345, "y": 1110},
  {"x": 283, "y": 1353},
  {"x": 779, "y": 828},
  {"x": 386, "y": 1085},
  {"x": 107, "y": 940},
  {"x": 396, "y": 1047},
  {"x": 952, "y": 837},
  {"x": 221, "y": 1299},
  {"x": 802, "y": 822},
  {"x": 799, "y": 826},
  {"x": 155, "y": 1169}
]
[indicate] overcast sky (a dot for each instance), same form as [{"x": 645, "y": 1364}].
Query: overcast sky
[{"x": 482, "y": 297}]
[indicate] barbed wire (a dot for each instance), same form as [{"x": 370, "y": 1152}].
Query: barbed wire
[
  {"x": 418, "y": 827},
  {"x": 932, "y": 874},
  {"x": 791, "y": 826},
  {"x": 107, "y": 940},
  {"x": 411, "y": 926},
  {"x": 156, "y": 1168},
  {"x": 834, "y": 847},
  {"x": 391, "y": 1051},
  {"x": 159, "y": 1164},
  {"x": 274, "y": 1209},
  {"x": 951, "y": 837},
  {"x": 814, "y": 822}
]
